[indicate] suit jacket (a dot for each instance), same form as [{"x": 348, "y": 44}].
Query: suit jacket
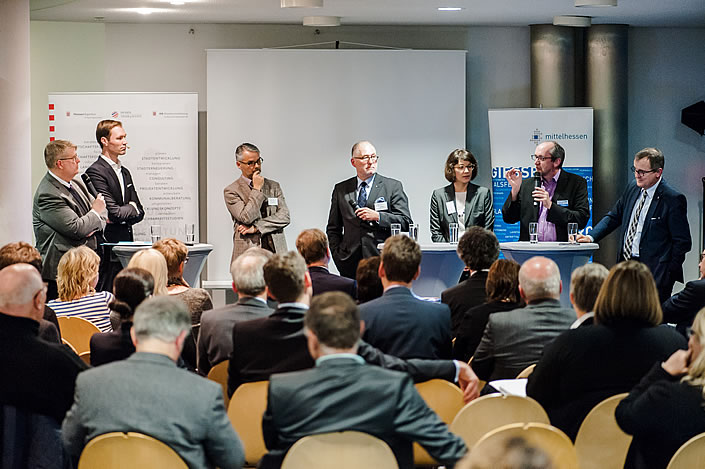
[
  {"x": 323, "y": 281},
  {"x": 478, "y": 210},
  {"x": 515, "y": 339},
  {"x": 665, "y": 237},
  {"x": 682, "y": 307},
  {"x": 251, "y": 207},
  {"x": 147, "y": 393},
  {"x": 385, "y": 405},
  {"x": 402, "y": 325},
  {"x": 463, "y": 296},
  {"x": 112, "y": 346},
  {"x": 60, "y": 223},
  {"x": 347, "y": 234},
  {"x": 215, "y": 339},
  {"x": 570, "y": 187},
  {"x": 586, "y": 365},
  {"x": 121, "y": 214},
  {"x": 281, "y": 336},
  {"x": 472, "y": 327}
]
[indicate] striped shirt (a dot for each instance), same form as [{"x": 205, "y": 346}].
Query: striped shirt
[{"x": 92, "y": 307}]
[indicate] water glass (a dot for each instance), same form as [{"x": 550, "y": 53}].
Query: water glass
[
  {"x": 156, "y": 231},
  {"x": 573, "y": 233},
  {"x": 534, "y": 232},
  {"x": 190, "y": 230},
  {"x": 414, "y": 231},
  {"x": 396, "y": 228},
  {"x": 453, "y": 232}
]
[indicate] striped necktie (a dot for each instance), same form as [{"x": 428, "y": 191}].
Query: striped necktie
[
  {"x": 362, "y": 196},
  {"x": 629, "y": 239}
]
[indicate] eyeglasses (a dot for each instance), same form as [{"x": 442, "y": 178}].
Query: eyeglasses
[
  {"x": 73, "y": 158},
  {"x": 541, "y": 158},
  {"x": 461, "y": 167},
  {"x": 366, "y": 158},
  {"x": 641, "y": 173},
  {"x": 252, "y": 163}
]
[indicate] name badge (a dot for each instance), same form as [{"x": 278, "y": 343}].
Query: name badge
[
  {"x": 272, "y": 201},
  {"x": 562, "y": 203},
  {"x": 450, "y": 206}
]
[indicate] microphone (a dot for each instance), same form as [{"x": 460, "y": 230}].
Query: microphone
[
  {"x": 354, "y": 206},
  {"x": 538, "y": 181},
  {"x": 89, "y": 185}
]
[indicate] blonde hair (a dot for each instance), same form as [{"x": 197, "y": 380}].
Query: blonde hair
[
  {"x": 77, "y": 269},
  {"x": 153, "y": 262},
  {"x": 696, "y": 369},
  {"x": 628, "y": 292},
  {"x": 175, "y": 252}
]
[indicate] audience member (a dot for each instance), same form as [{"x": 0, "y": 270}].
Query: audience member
[
  {"x": 583, "y": 366},
  {"x": 215, "y": 340},
  {"x": 502, "y": 295},
  {"x": 680, "y": 309},
  {"x": 369, "y": 285},
  {"x": 342, "y": 393},
  {"x": 153, "y": 262},
  {"x": 312, "y": 244},
  {"x": 665, "y": 409},
  {"x": 510, "y": 453},
  {"x": 399, "y": 323},
  {"x": 131, "y": 287},
  {"x": 515, "y": 339},
  {"x": 478, "y": 248},
  {"x": 148, "y": 394},
  {"x": 585, "y": 284},
  {"x": 77, "y": 276}
]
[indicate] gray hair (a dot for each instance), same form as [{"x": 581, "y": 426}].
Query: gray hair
[
  {"x": 539, "y": 277},
  {"x": 161, "y": 317},
  {"x": 19, "y": 283},
  {"x": 248, "y": 273},
  {"x": 245, "y": 147},
  {"x": 585, "y": 284}
]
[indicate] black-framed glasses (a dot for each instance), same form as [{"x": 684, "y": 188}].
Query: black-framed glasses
[
  {"x": 642, "y": 172},
  {"x": 73, "y": 158},
  {"x": 252, "y": 163},
  {"x": 366, "y": 158},
  {"x": 541, "y": 158}
]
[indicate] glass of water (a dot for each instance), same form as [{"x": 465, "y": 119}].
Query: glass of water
[
  {"x": 534, "y": 232},
  {"x": 414, "y": 231},
  {"x": 453, "y": 232},
  {"x": 573, "y": 233},
  {"x": 156, "y": 231},
  {"x": 190, "y": 230},
  {"x": 396, "y": 228}
]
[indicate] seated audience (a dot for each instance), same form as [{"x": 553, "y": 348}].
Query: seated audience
[
  {"x": 176, "y": 254},
  {"x": 516, "y": 339},
  {"x": 343, "y": 393},
  {"x": 148, "y": 394},
  {"x": 399, "y": 323},
  {"x": 680, "y": 309},
  {"x": 369, "y": 285},
  {"x": 153, "y": 262},
  {"x": 130, "y": 287},
  {"x": 585, "y": 284},
  {"x": 215, "y": 340},
  {"x": 478, "y": 248},
  {"x": 312, "y": 244},
  {"x": 586, "y": 365},
  {"x": 76, "y": 278},
  {"x": 502, "y": 295}
]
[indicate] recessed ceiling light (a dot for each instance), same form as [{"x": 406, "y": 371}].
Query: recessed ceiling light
[
  {"x": 144, "y": 11},
  {"x": 572, "y": 21},
  {"x": 449, "y": 8},
  {"x": 321, "y": 21}
]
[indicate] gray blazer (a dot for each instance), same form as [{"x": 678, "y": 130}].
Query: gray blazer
[
  {"x": 147, "y": 393},
  {"x": 478, "y": 210},
  {"x": 60, "y": 223},
  {"x": 246, "y": 206}
]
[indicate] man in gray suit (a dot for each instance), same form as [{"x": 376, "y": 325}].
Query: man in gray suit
[
  {"x": 515, "y": 339},
  {"x": 256, "y": 205},
  {"x": 64, "y": 214},
  {"x": 343, "y": 393},
  {"x": 147, "y": 393},
  {"x": 215, "y": 339}
]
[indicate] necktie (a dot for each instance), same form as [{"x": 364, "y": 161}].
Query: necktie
[
  {"x": 78, "y": 199},
  {"x": 362, "y": 196},
  {"x": 629, "y": 239}
]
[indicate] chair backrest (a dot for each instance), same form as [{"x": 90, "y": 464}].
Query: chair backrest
[
  {"x": 68, "y": 344},
  {"x": 446, "y": 400},
  {"x": 600, "y": 443},
  {"x": 690, "y": 455},
  {"x": 247, "y": 406},
  {"x": 489, "y": 412},
  {"x": 30, "y": 440},
  {"x": 219, "y": 374},
  {"x": 118, "y": 450},
  {"x": 77, "y": 331},
  {"x": 550, "y": 439},
  {"x": 342, "y": 450},
  {"x": 526, "y": 371},
  {"x": 85, "y": 356}
]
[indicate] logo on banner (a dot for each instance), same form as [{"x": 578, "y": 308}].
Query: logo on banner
[
  {"x": 154, "y": 113},
  {"x": 68, "y": 114},
  {"x": 115, "y": 114},
  {"x": 536, "y": 136}
]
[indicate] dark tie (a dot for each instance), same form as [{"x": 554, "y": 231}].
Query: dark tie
[
  {"x": 362, "y": 196},
  {"x": 629, "y": 239},
  {"x": 79, "y": 200}
]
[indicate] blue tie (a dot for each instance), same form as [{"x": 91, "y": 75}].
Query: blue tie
[{"x": 362, "y": 196}]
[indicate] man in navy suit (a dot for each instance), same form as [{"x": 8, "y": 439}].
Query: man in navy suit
[
  {"x": 362, "y": 209},
  {"x": 312, "y": 244},
  {"x": 654, "y": 221},
  {"x": 682, "y": 307}
]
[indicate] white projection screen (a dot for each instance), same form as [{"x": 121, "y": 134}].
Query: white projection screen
[{"x": 304, "y": 109}]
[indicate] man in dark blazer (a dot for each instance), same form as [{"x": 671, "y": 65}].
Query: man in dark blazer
[
  {"x": 215, "y": 338},
  {"x": 276, "y": 344},
  {"x": 399, "y": 323},
  {"x": 654, "y": 223},
  {"x": 560, "y": 199},
  {"x": 312, "y": 244},
  {"x": 147, "y": 393},
  {"x": 362, "y": 209},
  {"x": 384, "y": 403},
  {"x": 681, "y": 308},
  {"x": 478, "y": 248},
  {"x": 114, "y": 182},
  {"x": 64, "y": 214}
]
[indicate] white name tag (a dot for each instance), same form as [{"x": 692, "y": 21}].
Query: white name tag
[
  {"x": 562, "y": 203},
  {"x": 451, "y": 207},
  {"x": 379, "y": 206},
  {"x": 272, "y": 201}
]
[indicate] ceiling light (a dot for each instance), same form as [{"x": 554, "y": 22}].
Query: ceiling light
[
  {"x": 302, "y": 3},
  {"x": 595, "y": 3},
  {"x": 143, "y": 11},
  {"x": 177, "y": 2},
  {"x": 321, "y": 21},
  {"x": 449, "y": 8},
  {"x": 572, "y": 21}
]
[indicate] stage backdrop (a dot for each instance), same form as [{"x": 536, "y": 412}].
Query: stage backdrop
[
  {"x": 162, "y": 136},
  {"x": 304, "y": 109},
  {"x": 514, "y": 135}
]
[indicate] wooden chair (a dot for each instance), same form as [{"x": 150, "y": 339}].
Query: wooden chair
[
  {"x": 86, "y": 357},
  {"x": 487, "y": 413},
  {"x": 600, "y": 443},
  {"x": 551, "y": 440},
  {"x": 690, "y": 455},
  {"x": 245, "y": 411},
  {"x": 446, "y": 400},
  {"x": 526, "y": 371},
  {"x": 77, "y": 331},
  {"x": 481, "y": 384},
  {"x": 68, "y": 344},
  {"x": 219, "y": 374},
  {"x": 119, "y": 450},
  {"x": 342, "y": 450}
]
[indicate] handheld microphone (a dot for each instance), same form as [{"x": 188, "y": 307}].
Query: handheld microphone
[
  {"x": 89, "y": 185},
  {"x": 538, "y": 181},
  {"x": 354, "y": 206}
]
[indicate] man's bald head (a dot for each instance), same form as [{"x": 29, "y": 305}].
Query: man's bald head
[
  {"x": 22, "y": 291},
  {"x": 539, "y": 278}
]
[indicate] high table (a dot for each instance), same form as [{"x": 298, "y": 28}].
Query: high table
[
  {"x": 197, "y": 256},
  {"x": 567, "y": 256}
]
